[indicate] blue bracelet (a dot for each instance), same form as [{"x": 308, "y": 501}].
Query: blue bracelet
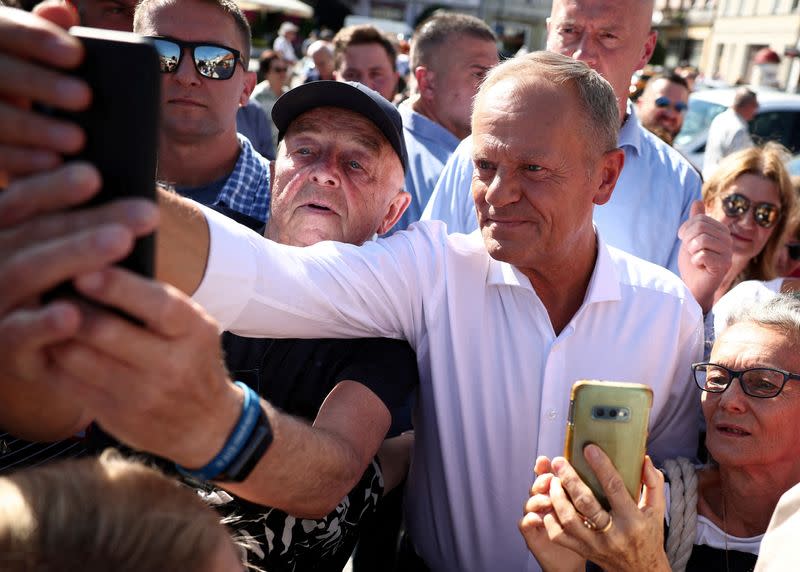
[{"x": 251, "y": 410}]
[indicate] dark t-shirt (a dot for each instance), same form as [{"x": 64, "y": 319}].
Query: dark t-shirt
[{"x": 296, "y": 376}]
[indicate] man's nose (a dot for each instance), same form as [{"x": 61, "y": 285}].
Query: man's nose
[
  {"x": 585, "y": 51},
  {"x": 186, "y": 72},
  {"x": 325, "y": 171}
]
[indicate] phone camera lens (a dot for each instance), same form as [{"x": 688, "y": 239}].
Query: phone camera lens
[
  {"x": 612, "y": 412},
  {"x": 600, "y": 412}
]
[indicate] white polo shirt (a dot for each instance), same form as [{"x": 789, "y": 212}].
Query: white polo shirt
[{"x": 495, "y": 379}]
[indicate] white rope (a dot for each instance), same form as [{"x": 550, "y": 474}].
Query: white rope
[{"x": 682, "y": 511}]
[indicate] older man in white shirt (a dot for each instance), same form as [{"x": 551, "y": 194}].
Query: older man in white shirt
[
  {"x": 503, "y": 321},
  {"x": 654, "y": 196}
]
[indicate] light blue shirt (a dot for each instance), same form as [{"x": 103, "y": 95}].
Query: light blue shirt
[
  {"x": 652, "y": 198},
  {"x": 429, "y": 145}
]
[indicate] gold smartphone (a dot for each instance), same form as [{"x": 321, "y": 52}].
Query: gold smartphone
[{"x": 614, "y": 416}]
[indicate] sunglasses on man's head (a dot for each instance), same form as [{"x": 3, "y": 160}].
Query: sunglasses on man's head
[
  {"x": 210, "y": 60},
  {"x": 765, "y": 214},
  {"x": 664, "y": 101}
]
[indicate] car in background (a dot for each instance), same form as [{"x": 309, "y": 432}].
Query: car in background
[{"x": 777, "y": 119}]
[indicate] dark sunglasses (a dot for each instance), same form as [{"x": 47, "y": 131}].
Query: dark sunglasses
[
  {"x": 761, "y": 382},
  {"x": 794, "y": 250},
  {"x": 765, "y": 214},
  {"x": 664, "y": 101},
  {"x": 280, "y": 70},
  {"x": 210, "y": 60}
]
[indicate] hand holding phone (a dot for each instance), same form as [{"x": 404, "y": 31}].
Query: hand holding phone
[
  {"x": 615, "y": 417},
  {"x": 121, "y": 124}
]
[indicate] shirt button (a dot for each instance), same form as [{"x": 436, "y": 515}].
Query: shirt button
[{"x": 552, "y": 414}]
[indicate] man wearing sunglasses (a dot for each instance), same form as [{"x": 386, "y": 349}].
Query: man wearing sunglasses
[
  {"x": 204, "y": 49},
  {"x": 663, "y": 104},
  {"x": 729, "y": 131}
]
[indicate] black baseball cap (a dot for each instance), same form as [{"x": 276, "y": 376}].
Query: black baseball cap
[{"x": 350, "y": 95}]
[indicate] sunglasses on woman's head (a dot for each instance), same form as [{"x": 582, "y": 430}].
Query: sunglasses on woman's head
[
  {"x": 765, "y": 214},
  {"x": 210, "y": 60}
]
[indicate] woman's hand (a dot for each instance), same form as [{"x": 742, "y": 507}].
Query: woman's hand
[
  {"x": 550, "y": 555},
  {"x": 629, "y": 538}
]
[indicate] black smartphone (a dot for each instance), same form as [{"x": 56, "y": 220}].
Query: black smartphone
[{"x": 121, "y": 125}]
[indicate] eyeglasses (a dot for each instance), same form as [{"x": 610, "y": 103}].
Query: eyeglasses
[
  {"x": 210, "y": 60},
  {"x": 280, "y": 70},
  {"x": 794, "y": 250},
  {"x": 761, "y": 382},
  {"x": 664, "y": 101},
  {"x": 765, "y": 214}
]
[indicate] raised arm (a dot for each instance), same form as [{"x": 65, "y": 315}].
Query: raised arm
[{"x": 170, "y": 372}]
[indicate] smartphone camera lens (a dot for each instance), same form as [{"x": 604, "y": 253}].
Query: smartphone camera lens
[
  {"x": 600, "y": 412},
  {"x": 612, "y": 413}
]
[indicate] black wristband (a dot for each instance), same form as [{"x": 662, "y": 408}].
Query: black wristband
[{"x": 258, "y": 443}]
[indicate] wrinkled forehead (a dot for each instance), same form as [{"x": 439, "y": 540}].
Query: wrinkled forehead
[
  {"x": 620, "y": 15},
  {"x": 338, "y": 122}
]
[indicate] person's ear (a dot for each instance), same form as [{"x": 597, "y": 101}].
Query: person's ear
[
  {"x": 247, "y": 89},
  {"x": 649, "y": 48},
  {"x": 426, "y": 82},
  {"x": 394, "y": 211},
  {"x": 609, "y": 166}
]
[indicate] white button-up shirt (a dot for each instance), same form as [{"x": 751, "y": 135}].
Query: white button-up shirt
[
  {"x": 495, "y": 379},
  {"x": 652, "y": 197}
]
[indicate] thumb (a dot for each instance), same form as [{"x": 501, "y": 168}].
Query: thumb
[
  {"x": 653, "y": 481},
  {"x": 697, "y": 208}
]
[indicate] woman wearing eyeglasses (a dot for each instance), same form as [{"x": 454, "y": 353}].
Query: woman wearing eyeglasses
[
  {"x": 751, "y": 193},
  {"x": 716, "y": 515}
]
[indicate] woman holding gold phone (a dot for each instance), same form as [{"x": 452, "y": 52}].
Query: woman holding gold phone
[{"x": 751, "y": 403}]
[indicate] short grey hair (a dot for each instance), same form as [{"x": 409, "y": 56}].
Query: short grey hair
[
  {"x": 440, "y": 29},
  {"x": 780, "y": 313},
  {"x": 595, "y": 95}
]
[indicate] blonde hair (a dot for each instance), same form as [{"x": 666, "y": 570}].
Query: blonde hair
[
  {"x": 766, "y": 162},
  {"x": 100, "y": 514}
]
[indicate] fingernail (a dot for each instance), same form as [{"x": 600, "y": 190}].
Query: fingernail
[
  {"x": 111, "y": 238},
  {"x": 141, "y": 213},
  {"x": 80, "y": 174},
  {"x": 64, "y": 137},
  {"x": 591, "y": 452},
  {"x": 90, "y": 282},
  {"x": 557, "y": 464},
  {"x": 71, "y": 90}
]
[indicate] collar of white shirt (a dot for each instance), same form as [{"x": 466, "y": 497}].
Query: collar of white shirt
[{"x": 603, "y": 286}]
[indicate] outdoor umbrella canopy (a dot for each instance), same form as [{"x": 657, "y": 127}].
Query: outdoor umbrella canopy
[{"x": 289, "y": 7}]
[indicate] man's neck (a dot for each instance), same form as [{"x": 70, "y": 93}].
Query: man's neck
[
  {"x": 425, "y": 108},
  {"x": 197, "y": 163},
  {"x": 562, "y": 286}
]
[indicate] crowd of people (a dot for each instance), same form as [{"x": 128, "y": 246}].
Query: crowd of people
[{"x": 371, "y": 286}]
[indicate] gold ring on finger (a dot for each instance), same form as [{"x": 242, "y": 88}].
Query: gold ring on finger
[{"x": 607, "y": 527}]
